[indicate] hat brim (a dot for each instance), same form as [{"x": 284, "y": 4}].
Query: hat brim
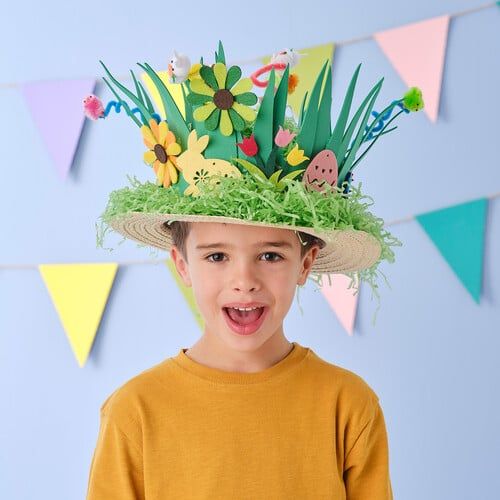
[{"x": 344, "y": 250}]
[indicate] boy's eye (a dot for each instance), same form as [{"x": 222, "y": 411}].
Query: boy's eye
[{"x": 265, "y": 253}]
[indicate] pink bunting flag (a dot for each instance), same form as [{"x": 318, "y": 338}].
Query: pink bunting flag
[
  {"x": 417, "y": 52},
  {"x": 342, "y": 300},
  {"x": 57, "y": 109}
]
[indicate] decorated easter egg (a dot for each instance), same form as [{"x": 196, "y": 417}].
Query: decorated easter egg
[{"x": 323, "y": 169}]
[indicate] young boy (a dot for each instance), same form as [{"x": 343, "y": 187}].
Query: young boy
[{"x": 244, "y": 413}]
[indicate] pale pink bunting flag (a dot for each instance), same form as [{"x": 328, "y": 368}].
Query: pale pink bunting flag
[
  {"x": 417, "y": 52},
  {"x": 342, "y": 300},
  {"x": 57, "y": 110}
]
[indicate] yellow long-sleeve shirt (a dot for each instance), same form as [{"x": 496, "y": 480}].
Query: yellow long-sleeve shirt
[{"x": 300, "y": 429}]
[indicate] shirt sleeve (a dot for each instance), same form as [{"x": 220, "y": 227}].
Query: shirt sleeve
[
  {"x": 116, "y": 471},
  {"x": 366, "y": 466}
]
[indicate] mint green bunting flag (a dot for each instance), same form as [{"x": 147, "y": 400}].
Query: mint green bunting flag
[
  {"x": 187, "y": 292},
  {"x": 458, "y": 233}
]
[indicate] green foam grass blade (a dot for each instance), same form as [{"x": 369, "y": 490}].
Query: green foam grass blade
[
  {"x": 146, "y": 114},
  {"x": 280, "y": 101},
  {"x": 219, "y": 55},
  {"x": 123, "y": 103},
  {"x": 187, "y": 105},
  {"x": 382, "y": 132},
  {"x": 302, "y": 108},
  {"x": 338, "y": 132},
  {"x": 378, "y": 119},
  {"x": 174, "y": 117},
  {"x": 346, "y": 140},
  {"x": 349, "y": 160},
  {"x": 143, "y": 96},
  {"x": 263, "y": 128},
  {"x": 323, "y": 129},
  {"x": 305, "y": 137}
]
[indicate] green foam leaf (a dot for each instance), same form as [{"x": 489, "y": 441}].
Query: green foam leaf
[{"x": 233, "y": 75}]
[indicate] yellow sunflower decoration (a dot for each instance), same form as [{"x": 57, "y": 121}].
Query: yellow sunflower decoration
[
  {"x": 163, "y": 151},
  {"x": 222, "y": 101}
]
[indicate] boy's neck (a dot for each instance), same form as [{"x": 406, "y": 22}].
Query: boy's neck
[{"x": 210, "y": 351}]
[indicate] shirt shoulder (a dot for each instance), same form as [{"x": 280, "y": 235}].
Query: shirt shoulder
[
  {"x": 354, "y": 398},
  {"x": 130, "y": 403}
]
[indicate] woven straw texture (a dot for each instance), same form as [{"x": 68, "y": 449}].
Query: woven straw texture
[{"x": 344, "y": 250}]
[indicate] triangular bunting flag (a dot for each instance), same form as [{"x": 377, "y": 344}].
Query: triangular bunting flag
[
  {"x": 307, "y": 70},
  {"x": 187, "y": 292},
  {"x": 174, "y": 88},
  {"x": 56, "y": 107},
  {"x": 417, "y": 52},
  {"x": 79, "y": 293},
  {"x": 342, "y": 299},
  {"x": 458, "y": 233}
]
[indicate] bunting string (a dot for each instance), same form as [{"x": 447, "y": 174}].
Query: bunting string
[
  {"x": 409, "y": 218},
  {"x": 340, "y": 43}
]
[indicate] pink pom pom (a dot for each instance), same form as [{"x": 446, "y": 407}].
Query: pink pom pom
[{"x": 92, "y": 107}]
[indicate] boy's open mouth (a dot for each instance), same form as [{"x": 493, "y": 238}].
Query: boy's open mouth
[{"x": 244, "y": 317}]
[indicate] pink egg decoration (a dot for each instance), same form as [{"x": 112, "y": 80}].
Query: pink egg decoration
[
  {"x": 92, "y": 107},
  {"x": 323, "y": 168}
]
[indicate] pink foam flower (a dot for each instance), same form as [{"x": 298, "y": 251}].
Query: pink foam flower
[
  {"x": 249, "y": 146},
  {"x": 283, "y": 137},
  {"x": 92, "y": 107}
]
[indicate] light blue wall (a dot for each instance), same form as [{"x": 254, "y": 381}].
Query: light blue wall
[{"x": 433, "y": 355}]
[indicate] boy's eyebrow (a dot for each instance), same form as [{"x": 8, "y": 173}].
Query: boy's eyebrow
[{"x": 279, "y": 244}]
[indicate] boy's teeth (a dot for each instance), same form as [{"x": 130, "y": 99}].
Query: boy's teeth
[{"x": 244, "y": 315}]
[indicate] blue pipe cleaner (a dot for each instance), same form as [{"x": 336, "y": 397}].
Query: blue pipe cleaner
[
  {"x": 118, "y": 105},
  {"x": 383, "y": 118}
]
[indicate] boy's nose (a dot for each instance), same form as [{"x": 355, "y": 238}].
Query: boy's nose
[{"x": 245, "y": 278}]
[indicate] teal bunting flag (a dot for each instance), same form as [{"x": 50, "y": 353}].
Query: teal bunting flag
[{"x": 458, "y": 233}]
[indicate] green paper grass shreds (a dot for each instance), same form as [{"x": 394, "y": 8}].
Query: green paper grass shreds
[{"x": 250, "y": 198}]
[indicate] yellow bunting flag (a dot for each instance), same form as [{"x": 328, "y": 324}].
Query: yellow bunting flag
[
  {"x": 187, "y": 292},
  {"x": 79, "y": 293},
  {"x": 174, "y": 89},
  {"x": 307, "y": 69}
]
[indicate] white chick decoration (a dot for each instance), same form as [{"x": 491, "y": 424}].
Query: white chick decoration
[
  {"x": 286, "y": 56},
  {"x": 178, "y": 68}
]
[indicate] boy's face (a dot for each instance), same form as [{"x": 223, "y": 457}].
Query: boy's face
[{"x": 242, "y": 268}]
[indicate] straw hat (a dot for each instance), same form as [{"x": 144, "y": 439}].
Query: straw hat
[
  {"x": 223, "y": 155},
  {"x": 343, "y": 251}
]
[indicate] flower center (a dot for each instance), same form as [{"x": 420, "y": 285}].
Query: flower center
[
  {"x": 223, "y": 99},
  {"x": 200, "y": 175},
  {"x": 160, "y": 153}
]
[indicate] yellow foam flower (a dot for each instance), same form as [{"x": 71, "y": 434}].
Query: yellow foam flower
[
  {"x": 296, "y": 156},
  {"x": 222, "y": 100},
  {"x": 163, "y": 151}
]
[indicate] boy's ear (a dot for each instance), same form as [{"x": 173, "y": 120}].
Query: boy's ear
[
  {"x": 307, "y": 263},
  {"x": 180, "y": 265}
]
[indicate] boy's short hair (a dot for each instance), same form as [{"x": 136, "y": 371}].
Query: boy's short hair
[{"x": 180, "y": 231}]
